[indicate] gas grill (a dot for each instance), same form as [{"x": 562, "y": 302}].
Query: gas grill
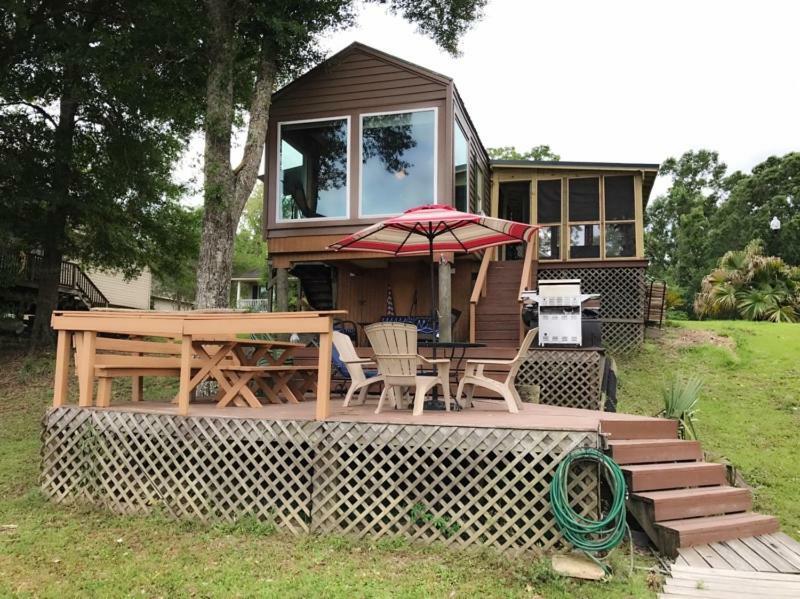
[{"x": 559, "y": 305}]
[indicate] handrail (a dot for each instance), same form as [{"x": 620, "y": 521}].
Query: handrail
[
  {"x": 479, "y": 290},
  {"x": 525, "y": 280}
]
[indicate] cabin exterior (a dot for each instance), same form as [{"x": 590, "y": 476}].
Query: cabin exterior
[{"x": 366, "y": 135}]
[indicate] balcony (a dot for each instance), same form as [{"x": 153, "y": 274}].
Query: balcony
[{"x": 253, "y": 305}]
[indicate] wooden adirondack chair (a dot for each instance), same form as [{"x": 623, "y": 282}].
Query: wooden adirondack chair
[
  {"x": 474, "y": 376},
  {"x": 354, "y": 366},
  {"x": 395, "y": 346}
]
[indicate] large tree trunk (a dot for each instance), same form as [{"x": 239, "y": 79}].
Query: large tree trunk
[
  {"x": 226, "y": 189},
  {"x": 53, "y": 245}
]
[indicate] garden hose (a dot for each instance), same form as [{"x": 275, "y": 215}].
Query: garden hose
[{"x": 590, "y": 536}]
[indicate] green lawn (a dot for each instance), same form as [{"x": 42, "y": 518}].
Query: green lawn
[
  {"x": 67, "y": 552},
  {"x": 750, "y": 405}
]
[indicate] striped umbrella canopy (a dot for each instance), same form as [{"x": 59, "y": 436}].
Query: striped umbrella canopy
[{"x": 435, "y": 228}]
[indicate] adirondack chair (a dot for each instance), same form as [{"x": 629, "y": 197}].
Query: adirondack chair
[
  {"x": 349, "y": 365},
  {"x": 474, "y": 376},
  {"x": 395, "y": 346}
]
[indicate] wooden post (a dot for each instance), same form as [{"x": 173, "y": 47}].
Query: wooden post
[
  {"x": 282, "y": 289},
  {"x": 137, "y": 390},
  {"x": 86, "y": 373},
  {"x": 186, "y": 375},
  {"x": 445, "y": 301},
  {"x": 323, "y": 407},
  {"x": 61, "y": 385}
]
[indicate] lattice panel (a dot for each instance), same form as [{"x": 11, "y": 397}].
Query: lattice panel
[
  {"x": 621, "y": 289},
  {"x": 622, "y": 337},
  {"x": 201, "y": 468},
  {"x": 569, "y": 379},
  {"x": 459, "y": 486}
]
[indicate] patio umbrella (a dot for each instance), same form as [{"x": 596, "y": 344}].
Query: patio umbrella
[{"x": 435, "y": 228}]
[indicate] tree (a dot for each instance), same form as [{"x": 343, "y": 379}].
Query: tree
[
  {"x": 747, "y": 284},
  {"x": 94, "y": 105},
  {"x": 249, "y": 47},
  {"x": 542, "y": 152}
]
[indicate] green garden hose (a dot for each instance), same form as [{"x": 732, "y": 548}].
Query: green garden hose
[{"x": 591, "y": 536}]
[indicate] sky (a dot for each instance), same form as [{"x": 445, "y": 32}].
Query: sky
[{"x": 614, "y": 81}]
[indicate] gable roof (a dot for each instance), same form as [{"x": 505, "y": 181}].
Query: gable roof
[{"x": 332, "y": 61}]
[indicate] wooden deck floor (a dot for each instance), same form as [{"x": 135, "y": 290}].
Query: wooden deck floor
[
  {"x": 485, "y": 413},
  {"x": 764, "y": 566}
]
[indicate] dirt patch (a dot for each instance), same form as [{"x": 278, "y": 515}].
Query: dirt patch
[{"x": 687, "y": 337}]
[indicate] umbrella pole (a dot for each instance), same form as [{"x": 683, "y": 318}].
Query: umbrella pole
[{"x": 434, "y": 311}]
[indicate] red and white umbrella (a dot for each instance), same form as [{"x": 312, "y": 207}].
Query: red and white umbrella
[{"x": 435, "y": 228}]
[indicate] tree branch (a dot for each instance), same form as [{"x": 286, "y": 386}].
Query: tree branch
[
  {"x": 36, "y": 107},
  {"x": 247, "y": 170}
]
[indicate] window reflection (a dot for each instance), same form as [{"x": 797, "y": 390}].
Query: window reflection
[
  {"x": 584, "y": 241},
  {"x": 397, "y": 161},
  {"x": 620, "y": 240},
  {"x": 549, "y": 243},
  {"x": 460, "y": 154},
  {"x": 313, "y": 170}
]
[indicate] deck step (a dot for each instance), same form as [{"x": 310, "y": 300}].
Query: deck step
[
  {"x": 649, "y": 451},
  {"x": 656, "y": 477},
  {"x": 694, "y": 503},
  {"x": 644, "y": 428},
  {"x": 689, "y": 532}
]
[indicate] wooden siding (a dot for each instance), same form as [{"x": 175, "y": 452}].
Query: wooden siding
[
  {"x": 134, "y": 293},
  {"x": 356, "y": 82},
  {"x": 477, "y": 156}
]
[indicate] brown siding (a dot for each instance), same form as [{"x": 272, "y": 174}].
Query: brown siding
[
  {"x": 357, "y": 82},
  {"x": 477, "y": 156}
]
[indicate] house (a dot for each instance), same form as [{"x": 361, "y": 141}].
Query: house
[
  {"x": 250, "y": 290},
  {"x": 365, "y": 135},
  {"x": 133, "y": 293}
]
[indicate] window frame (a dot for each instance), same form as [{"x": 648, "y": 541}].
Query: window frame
[
  {"x": 560, "y": 224},
  {"x": 361, "y": 116},
  {"x": 279, "y": 173}
]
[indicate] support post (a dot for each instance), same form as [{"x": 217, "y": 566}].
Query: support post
[
  {"x": 238, "y": 293},
  {"x": 186, "y": 375},
  {"x": 86, "y": 373},
  {"x": 323, "y": 406},
  {"x": 282, "y": 289},
  {"x": 61, "y": 386},
  {"x": 445, "y": 301}
]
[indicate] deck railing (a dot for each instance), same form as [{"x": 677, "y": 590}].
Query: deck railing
[
  {"x": 253, "y": 305},
  {"x": 479, "y": 290},
  {"x": 525, "y": 281}
]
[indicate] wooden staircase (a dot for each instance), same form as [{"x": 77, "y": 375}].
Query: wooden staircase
[
  {"x": 679, "y": 499},
  {"x": 497, "y": 316}
]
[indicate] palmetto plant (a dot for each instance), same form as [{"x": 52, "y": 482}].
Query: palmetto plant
[
  {"x": 747, "y": 284},
  {"x": 680, "y": 403}
]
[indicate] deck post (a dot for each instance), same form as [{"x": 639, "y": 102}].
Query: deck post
[
  {"x": 282, "y": 289},
  {"x": 86, "y": 369},
  {"x": 323, "y": 406},
  {"x": 61, "y": 385},
  {"x": 445, "y": 300},
  {"x": 186, "y": 375}
]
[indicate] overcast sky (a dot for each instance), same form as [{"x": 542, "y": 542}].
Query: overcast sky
[{"x": 626, "y": 81}]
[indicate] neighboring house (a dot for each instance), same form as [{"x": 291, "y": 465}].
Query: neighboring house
[
  {"x": 121, "y": 293},
  {"x": 365, "y": 135},
  {"x": 250, "y": 291},
  {"x": 168, "y": 304}
]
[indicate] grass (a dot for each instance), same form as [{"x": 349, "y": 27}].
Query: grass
[
  {"x": 57, "y": 551},
  {"x": 749, "y": 409}
]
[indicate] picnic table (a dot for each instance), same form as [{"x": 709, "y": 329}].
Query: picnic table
[{"x": 199, "y": 330}]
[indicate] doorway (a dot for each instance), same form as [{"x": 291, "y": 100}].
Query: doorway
[{"x": 514, "y": 203}]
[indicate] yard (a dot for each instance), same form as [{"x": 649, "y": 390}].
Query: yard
[{"x": 749, "y": 414}]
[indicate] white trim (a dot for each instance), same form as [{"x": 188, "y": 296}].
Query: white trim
[
  {"x": 278, "y": 216},
  {"x": 458, "y": 126},
  {"x": 361, "y": 116}
]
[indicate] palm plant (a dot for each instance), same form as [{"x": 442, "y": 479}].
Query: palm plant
[
  {"x": 680, "y": 403},
  {"x": 747, "y": 284}
]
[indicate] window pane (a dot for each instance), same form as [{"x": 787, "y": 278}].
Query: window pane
[
  {"x": 548, "y": 201},
  {"x": 584, "y": 241},
  {"x": 313, "y": 170},
  {"x": 397, "y": 162},
  {"x": 460, "y": 153},
  {"x": 584, "y": 199},
  {"x": 619, "y": 198},
  {"x": 620, "y": 240},
  {"x": 550, "y": 243}
]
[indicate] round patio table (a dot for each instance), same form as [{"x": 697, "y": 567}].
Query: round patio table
[{"x": 451, "y": 351}]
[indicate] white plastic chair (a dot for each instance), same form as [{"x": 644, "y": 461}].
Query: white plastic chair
[{"x": 359, "y": 381}]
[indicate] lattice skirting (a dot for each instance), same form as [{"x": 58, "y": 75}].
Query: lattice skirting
[
  {"x": 460, "y": 486},
  {"x": 622, "y": 336},
  {"x": 570, "y": 379}
]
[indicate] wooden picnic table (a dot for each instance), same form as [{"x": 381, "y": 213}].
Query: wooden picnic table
[{"x": 189, "y": 327}]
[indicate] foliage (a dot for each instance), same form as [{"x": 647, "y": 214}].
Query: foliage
[
  {"x": 747, "y": 284},
  {"x": 707, "y": 212},
  {"x": 93, "y": 113},
  {"x": 420, "y": 514},
  {"x": 250, "y": 249},
  {"x": 750, "y": 405},
  {"x": 177, "y": 281},
  {"x": 542, "y": 152},
  {"x": 680, "y": 403}
]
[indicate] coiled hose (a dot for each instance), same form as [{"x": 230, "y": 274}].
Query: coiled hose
[{"x": 591, "y": 536}]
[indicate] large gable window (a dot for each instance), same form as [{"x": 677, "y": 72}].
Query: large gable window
[
  {"x": 398, "y": 161},
  {"x": 313, "y": 169}
]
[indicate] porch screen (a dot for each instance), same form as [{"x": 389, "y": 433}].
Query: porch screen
[
  {"x": 584, "y": 217},
  {"x": 398, "y": 161},
  {"x": 620, "y": 212},
  {"x": 548, "y": 212},
  {"x": 313, "y": 170}
]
